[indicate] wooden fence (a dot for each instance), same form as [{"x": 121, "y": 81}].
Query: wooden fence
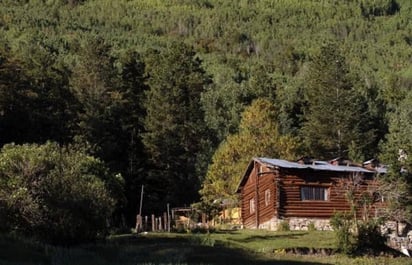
[{"x": 180, "y": 218}]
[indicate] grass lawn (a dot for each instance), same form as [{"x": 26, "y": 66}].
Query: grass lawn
[{"x": 230, "y": 247}]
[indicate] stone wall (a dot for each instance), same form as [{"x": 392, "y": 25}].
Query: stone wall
[
  {"x": 399, "y": 236},
  {"x": 298, "y": 224}
]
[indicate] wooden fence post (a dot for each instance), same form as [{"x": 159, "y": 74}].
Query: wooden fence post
[
  {"x": 168, "y": 218},
  {"x": 165, "y": 221},
  {"x": 139, "y": 223}
]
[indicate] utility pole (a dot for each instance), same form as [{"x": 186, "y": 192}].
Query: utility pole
[
  {"x": 139, "y": 219},
  {"x": 141, "y": 201}
]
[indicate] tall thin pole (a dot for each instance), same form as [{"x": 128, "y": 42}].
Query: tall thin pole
[
  {"x": 141, "y": 201},
  {"x": 168, "y": 218}
]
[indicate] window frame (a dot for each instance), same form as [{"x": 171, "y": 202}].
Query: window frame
[
  {"x": 267, "y": 197},
  {"x": 314, "y": 193},
  {"x": 252, "y": 206}
]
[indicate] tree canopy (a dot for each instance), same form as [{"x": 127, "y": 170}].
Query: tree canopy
[
  {"x": 397, "y": 149},
  {"x": 155, "y": 89},
  {"x": 258, "y": 136},
  {"x": 55, "y": 193},
  {"x": 335, "y": 119},
  {"x": 175, "y": 132}
]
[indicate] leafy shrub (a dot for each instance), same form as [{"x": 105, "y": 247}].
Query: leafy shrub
[
  {"x": 283, "y": 226},
  {"x": 311, "y": 227},
  {"x": 357, "y": 237},
  {"x": 379, "y": 8},
  {"x": 56, "y": 194},
  {"x": 342, "y": 224},
  {"x": 370, "y": 239},
  {"x": 203, "y": 240}
]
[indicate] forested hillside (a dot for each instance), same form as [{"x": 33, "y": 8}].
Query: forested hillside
[{"x": 170, "y": 93}]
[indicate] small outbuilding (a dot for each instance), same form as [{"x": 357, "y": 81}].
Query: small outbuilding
[{"x": 307, "y": 192}]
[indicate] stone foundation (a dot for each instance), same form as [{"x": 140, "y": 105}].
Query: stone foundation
[
  {"x": 401, "y": 241},
  {"x": 298, "y": 224},
  {"x": 305, "y": 223}
]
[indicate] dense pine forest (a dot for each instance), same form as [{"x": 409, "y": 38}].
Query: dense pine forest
[{"x": 100, "y": 97}]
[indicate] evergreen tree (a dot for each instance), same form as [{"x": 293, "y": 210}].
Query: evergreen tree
[
  {"x": 94, "y": 85},
  {"x": 109, "y": 94},
  {"x": 14, "y": 118},
  {"x": 333, "y": 115},
  {"x": 397, "y": 154},
  {"x": 176, "y": 135},
  {"x": 130, "y": 158},
  {"x": 34, "y": 104}
]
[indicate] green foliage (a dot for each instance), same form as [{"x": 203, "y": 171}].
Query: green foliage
[
  {"x": 355, "y": 237},
  {"x": 343, "y": 225},
  {"x": 396, "y": 151},
  {"x": 108, "y": 92},
  {"x": 370, "y": 239},
  {"x": 258, "y": 137},
  {"x": 334, "y": 114},
  {"x": 72, "y": 70},
  {"x": 175, "y": 133},
  {"x": 379, "y": 8},
  {"x": 56, "y": 194},
  {"x": 283, "y": 226},
  {"x": 33, "y": 101},
  {"x": 311, "y": 227}
]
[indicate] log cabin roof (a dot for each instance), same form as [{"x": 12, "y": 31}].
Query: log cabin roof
[{"x": 315, "y": 165}]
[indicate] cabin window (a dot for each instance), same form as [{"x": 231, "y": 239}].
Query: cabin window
[
  {"x": 267, "y": 197},
  {"x": 252, "y": 205},
  {"x": 314, "y": 193}
]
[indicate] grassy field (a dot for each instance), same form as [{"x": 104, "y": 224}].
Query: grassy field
[{"x": 235, "y": 247}]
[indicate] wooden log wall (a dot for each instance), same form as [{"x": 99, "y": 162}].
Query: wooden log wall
[
  {"x": 285, "y": 199},
  {"x": 338, "y": 184},
  {"x": 247, "y": 193},
  {"x": 261, "y": 187},
  {"x": 266, "y": 197}
]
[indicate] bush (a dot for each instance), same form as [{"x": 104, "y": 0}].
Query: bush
[
  {"x": 56, "y": 194},
  {"x": 283, "y": 226},
  {"x": 311, "y": 227},
  {"x": 379, "y": 8},
  {"x": 361, "y": 237},
  {"x": 370, "y": 239},
  {"x": 343, "y": 226}
]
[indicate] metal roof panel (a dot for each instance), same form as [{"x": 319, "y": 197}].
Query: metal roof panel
[{"x": 316, "y": 166}]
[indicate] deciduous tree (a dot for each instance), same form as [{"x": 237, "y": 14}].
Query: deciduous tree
[
  {"x": 258, "y": 137},
  {"x": 56, "y": 194}
]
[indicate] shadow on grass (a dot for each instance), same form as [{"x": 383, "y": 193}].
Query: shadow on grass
[
  {"x": 135, "y": 250},
  {"x": 223, "y": 255},
  {"x": 267, "y": 237},
  {"x": 192, "y": 250},
  {"x": 20, "y": 251}
]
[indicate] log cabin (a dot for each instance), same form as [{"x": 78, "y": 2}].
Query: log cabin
[{"x": 307, "y": 192}]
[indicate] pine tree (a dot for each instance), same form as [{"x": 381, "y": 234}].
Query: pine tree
[
  {"x": 397, "y": 154},
  {"x": 333, "y": 115},
  {"x": 175, "y": 131}
]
